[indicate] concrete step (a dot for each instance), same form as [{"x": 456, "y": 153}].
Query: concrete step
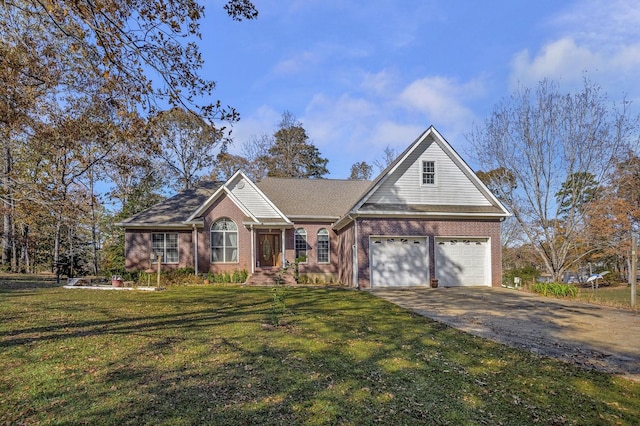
[{"x": 271, "y": 277}]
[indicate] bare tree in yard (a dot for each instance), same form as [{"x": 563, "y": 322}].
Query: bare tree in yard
[
  {"x": 388, "y": 156},
  {"x": 254, "y": 151},
  {"x": 361, "y": 170},
  {"x": 187, "y": 144},
  {"x": 227, "y": 164},
  {"x": 544, "y": 138}
]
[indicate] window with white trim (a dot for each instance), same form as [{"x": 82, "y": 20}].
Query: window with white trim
[
  {"x": 428, "y": 172},
  {"x": 165, "y": 245},
  {"x": 300, "y": 244},
  {"x": 323, "y": 246},
  {"x": 224, "y": 241}
]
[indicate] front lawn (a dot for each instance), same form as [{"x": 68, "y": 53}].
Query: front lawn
[
  {"x": 211, "y": 355},
  {"x": 617, "y": 296}
]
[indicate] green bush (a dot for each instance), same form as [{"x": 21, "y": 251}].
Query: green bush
[
  {"x": 527, "y": 274},
  {"x": 236, "y": 277},
  {"x": 555, "y": 289}
]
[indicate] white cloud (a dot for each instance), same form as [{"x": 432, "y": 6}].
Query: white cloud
[
  {"x": 380, "y": 83},
  {"x": 296, "y": 63},
  {"x": 264, "y": 120},
  {"x": 557, "y": 60},
  {"x": 598, "y": 37},
  {"x": 441, "y": 100}
]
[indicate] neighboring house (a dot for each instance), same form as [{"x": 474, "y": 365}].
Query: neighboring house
[{"x": 427, "y": 216}]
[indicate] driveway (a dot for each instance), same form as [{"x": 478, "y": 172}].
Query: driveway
[{"x": 592, "y": 336}]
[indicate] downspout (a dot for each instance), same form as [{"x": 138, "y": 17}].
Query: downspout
[
  {"x": 283, "y": 264},
  {"x": 195, "y": 249},
  {"x": 253, "y": 251},
  {"x": 355, "y": 252}
]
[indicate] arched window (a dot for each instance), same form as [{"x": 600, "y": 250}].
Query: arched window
[
  {"x": 301, "y": 244},
  {"x": 224, "y": 241},
  {"x": 323, "y": 246}
]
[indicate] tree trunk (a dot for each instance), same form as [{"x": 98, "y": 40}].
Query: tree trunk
[
  {"x": 6, "y": 183},
  {"x": 94, "y": 231},
  {"x": 56, "y": 252},
  {"x": 14, "y": 244},
  {"x": 24, "y": 255}
]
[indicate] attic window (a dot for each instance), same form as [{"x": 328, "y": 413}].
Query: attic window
[{"x": 428, "y": 172}]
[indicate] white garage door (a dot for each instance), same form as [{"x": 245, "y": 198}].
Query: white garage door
[
  {"x": 399, "y": 261},
  {"x": 463, "y": 261}
]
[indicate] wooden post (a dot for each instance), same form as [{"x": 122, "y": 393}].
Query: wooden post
[
  {"x": 159, "y": 264},
  {"x": 634, "y": 268}
]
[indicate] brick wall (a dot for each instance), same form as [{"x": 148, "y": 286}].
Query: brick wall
[
  {"x": 224, "y": 207},
  {"x": 137, "y": 249},
  {"x": 346, "y": 240},
  {"x": 311, "y": 266}
]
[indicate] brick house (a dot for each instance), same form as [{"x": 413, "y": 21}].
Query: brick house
[{"x": 427, "y": 216}]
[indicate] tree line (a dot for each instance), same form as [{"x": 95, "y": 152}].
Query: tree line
[
  {"x": 566, "y": 166},
  {"x": 110, "y": 92},
  {"x": 79, "y": 84}
]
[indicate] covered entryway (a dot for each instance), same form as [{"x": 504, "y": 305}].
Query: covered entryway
[
  {"x": 463, "y": 261},
  {"x": 269, "y": 250},
  {"x": 399, "y": 261}
]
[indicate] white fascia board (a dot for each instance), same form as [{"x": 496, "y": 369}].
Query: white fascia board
[
  {"x": 344, "y": 221},
  {"x": 310, "y": 218},
  {"x": 445, "y": 146},
  {"x": 440, "y": 215},
  {"x": 389, "y": 172},
  {"x": 262, "y": 194},
  {"x": 200, "y": 210},
  {"x": 222, "y": 190},
  {"x": 260, "y": 225}
]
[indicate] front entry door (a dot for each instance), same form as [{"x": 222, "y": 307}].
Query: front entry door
[{"x": 269, "y": 249}]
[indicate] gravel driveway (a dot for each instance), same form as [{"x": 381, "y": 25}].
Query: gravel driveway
[{"x": 592, "y": 336}]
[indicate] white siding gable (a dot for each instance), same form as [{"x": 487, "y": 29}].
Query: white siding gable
[
  {"x": 452, "y": 186},
  {"x": 255, "y": 202}
]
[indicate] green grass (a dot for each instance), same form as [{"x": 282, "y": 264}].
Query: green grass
[
  {"x": 618, "y": 296},
  {"x": 210, "y": 355}
]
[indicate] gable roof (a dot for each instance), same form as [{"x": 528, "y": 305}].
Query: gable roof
[
  {"x": 284, "y": 200},
  {"x": 371, "y": 202},
  {"x": 313, "y": 198},
  {"x": 173, "y": 211},
  {"x": 248, "y": 198}
]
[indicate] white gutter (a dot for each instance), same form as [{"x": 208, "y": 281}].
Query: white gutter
[{"x": 441, "y": 215}]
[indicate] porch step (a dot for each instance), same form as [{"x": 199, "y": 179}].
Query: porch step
[{"x": 271, "y": 277}]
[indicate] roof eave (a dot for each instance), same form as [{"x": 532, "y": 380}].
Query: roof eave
[
  {"x": 142, "y": 225},
  {"x": 435, "y": 215},
  {"x": 312, "y": 218}
]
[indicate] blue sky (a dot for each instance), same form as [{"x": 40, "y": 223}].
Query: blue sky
[{"x": 364, "y": 75}]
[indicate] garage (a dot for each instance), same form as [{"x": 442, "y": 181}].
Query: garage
[
  {"x": 399, "y": 261},
  {"x": 463, "y": 261}
]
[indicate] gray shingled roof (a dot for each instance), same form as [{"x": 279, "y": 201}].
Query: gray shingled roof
[
  {"x": 313, "y": 197},
  {"x": 177, "y": 209}
]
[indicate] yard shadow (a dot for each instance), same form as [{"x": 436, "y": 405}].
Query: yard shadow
[
  {"x": 341, "y": 357},
  {"x": 580, "y": 333}
]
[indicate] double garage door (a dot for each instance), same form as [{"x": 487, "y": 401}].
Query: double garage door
[{"x": 404, "y": 261}]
